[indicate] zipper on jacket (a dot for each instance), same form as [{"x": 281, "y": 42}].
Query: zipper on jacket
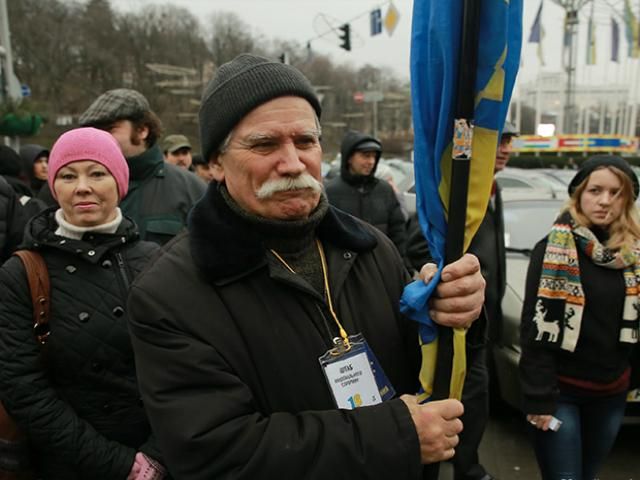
[{"x": 123, "y": 271}]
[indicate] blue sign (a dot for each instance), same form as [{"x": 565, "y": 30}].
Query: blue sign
[
  {"x": 25, "y": 90},
  {"x": 376, "y": 22}
]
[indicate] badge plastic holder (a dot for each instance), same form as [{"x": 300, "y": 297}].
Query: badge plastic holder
[{"x": 357, "y": 345}]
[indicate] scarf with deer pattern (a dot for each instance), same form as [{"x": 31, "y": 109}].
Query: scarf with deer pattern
[{"x": 560, "y": 301}]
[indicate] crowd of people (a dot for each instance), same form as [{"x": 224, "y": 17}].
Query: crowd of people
[{"x": 228, "y": 315}]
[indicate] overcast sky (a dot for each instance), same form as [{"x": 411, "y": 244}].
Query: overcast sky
[{"x": 302, "y": 20}]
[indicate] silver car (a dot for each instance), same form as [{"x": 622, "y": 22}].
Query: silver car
[{"x": 530, "y": 179}]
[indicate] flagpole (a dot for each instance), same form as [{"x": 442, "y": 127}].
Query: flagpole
[{"x": 462, "y": 140}]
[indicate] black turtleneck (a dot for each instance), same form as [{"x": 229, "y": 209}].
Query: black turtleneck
[{"x": 293, "y": 240}]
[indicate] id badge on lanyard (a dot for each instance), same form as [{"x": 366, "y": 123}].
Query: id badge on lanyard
[{"x": 353, "y": 374}]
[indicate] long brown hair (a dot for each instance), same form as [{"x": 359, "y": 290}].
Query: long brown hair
[{"x": 623, "y": 231}]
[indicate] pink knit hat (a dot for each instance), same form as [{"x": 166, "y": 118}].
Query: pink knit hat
[{"x": 89, "y": 143}]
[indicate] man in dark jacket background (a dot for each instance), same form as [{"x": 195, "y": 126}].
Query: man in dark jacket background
[
  {"x": 160, "y": 194},
  {"x": 12, "y": 220},
  {"x": 35, "y": 158},
  {"x": 488, "y": 246},
  {"x": 357, "y": 190},
  {"x": 13, "y": 171},
  {"x": 269, "y": 278}
]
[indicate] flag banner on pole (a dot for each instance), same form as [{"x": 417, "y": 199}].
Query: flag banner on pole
[
  {"x": 536, "y": 29},
  {"x": 631, "y": 31},
  {"x": 435, "y": 46},
  {"x": 615, "y": 40},
  {"x": 591, "y": 40},
  {"x": 537, "y": 33},
  {"x": 376, "y": 21}
]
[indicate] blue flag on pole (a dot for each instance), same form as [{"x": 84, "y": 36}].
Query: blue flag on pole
[
  {"x": 615, "y": 40},
  {"x": 535, "y": 35},
  {"x": 435, "y": 46},
  {"x": 375, "y": 18}
]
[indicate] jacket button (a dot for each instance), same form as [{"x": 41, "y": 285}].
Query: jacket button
[
  {"x": 91, "y": 253},
  {"x": 118, "y": 311},
  {"x": 107, "y": 408},
  {"x": 83, "y": 317},
  {"x": 70, "y": 269},
  {"x": 107, "y": 264},
  {"x": 347, "y": 255},
  {"x": 96, "y": 367}
]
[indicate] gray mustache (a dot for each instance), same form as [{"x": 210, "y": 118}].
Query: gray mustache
[{"x": 301, "y": 182}]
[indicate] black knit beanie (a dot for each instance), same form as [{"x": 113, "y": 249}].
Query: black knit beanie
[
  {"x": 10, "y": 162},
  {"x": 241, "y": 85},
  {"x": 598, "y": 161}
]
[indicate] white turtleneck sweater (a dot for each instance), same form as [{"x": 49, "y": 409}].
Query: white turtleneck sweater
[{"x": 68, "y": 230}]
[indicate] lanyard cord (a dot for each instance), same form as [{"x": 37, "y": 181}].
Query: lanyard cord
[{"x": 325, "y": 276}]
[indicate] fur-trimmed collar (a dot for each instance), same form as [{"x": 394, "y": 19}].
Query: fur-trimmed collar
[{"x": 223, "y": 245}]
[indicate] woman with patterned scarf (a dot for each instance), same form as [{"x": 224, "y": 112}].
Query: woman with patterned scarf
[{"x": 579, "y": 330}]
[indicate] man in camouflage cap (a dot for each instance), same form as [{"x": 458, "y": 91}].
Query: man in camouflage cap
[{"x": 160, "y": 194}]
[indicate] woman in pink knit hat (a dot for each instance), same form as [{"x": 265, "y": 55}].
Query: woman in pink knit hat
[{"x": 76, "y": 398}]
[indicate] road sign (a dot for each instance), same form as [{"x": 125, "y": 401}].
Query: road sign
[
  {"x": 391, "y": 19},
  {"x": 358, "y": 97},
  {"x": 26, "y": 91}
]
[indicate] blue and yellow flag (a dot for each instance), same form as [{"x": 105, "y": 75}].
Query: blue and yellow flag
[
  {"x": 435, "y": 46},
  {"x": 631, "y": 30}
]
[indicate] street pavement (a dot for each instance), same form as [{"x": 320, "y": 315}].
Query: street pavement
[{"x": 507, "y": 454}]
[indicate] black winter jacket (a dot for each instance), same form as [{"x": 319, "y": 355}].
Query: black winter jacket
[
  {"x": 12, "y": 220},
  {"x": 367, "y": 197},
  {"x": 599, "y": 355},
  {"x": 81, "y": 410},
  {"x": 243, "y": 394}
]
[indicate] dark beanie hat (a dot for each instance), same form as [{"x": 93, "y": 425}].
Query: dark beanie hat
[
  {"x": 598, "y": 161},
  {"x": 241, "y": 85},
  {"x": 10, "y": 162}
]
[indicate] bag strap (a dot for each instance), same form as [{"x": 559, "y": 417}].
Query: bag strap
[{"x": 38, "y": 277}]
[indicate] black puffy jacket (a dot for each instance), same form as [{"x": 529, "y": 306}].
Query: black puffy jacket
[
  {"x": 12, "y": 220},
  {"x": 80, "y": 407},
  {"x": 367, "y": 197}
]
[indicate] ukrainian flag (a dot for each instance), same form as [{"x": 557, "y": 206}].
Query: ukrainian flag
[{"x": 435, "y": 46}]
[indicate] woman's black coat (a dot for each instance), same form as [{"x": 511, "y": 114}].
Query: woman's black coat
[{"x": 77, "y": 398}]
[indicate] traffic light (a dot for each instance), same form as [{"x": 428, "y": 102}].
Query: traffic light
[{"x": 345, "y": 36}]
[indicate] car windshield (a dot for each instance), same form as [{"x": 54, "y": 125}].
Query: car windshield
[{"x": 528, "y": 221}]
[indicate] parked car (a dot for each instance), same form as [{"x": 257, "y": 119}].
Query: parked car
[
  {"x": 530, "y": 179},
  {"x": 563, "y": 175},
  {"x": 526, "y": 222},
  {"x": 509, "y": 194}
]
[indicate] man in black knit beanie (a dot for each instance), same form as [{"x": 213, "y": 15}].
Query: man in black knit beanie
[{"x": 275, "y": 318}]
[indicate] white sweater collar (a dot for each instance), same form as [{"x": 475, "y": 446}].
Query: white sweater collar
[{"x": 68, "y": 230}]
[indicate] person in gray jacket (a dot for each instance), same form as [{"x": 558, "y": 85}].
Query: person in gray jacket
[
  {"x": 357, "y": 190},
  {"x": 160, "y": 194}
]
